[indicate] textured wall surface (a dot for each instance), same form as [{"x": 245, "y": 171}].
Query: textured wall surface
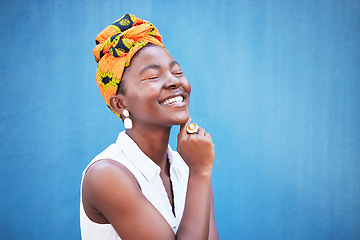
[{"x": 276, "y": 83}]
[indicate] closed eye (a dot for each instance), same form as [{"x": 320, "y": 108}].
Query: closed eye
[
  {"x": 178, "y": 73},
  {"x": 151, "y": 78}
]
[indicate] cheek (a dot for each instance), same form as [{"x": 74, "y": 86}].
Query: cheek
[{"x": 142, "y": 94}]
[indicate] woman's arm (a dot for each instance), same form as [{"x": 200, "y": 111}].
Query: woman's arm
[
  {"x": 111, "y": 194},
  {"x": 197, "y": 150},
  {"x": 213, "y": 234}
]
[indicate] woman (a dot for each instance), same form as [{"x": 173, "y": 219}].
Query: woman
[{"x": 138, "y": 188}]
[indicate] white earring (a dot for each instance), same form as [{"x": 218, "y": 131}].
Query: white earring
[{"x": 127, "y": 120}]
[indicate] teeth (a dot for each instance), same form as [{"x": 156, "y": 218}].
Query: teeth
[{"x": 173, "y": 100}]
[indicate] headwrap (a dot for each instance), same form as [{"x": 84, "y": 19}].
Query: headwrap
[{"x": 115, "y": 46}]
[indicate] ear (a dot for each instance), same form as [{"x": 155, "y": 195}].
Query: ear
[{"x": 117, "y": 104}]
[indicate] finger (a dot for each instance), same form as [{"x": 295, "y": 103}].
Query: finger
[
  {"x": 208, "y": 136},
  {"x": 201, "y": 131},
  {"x": 184, "y": 125}
]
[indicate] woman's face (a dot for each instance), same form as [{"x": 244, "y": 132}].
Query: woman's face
[{"x": 156, "y": 91}]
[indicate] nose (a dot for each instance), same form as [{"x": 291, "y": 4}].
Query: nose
[{"x": 172, "y": 82}]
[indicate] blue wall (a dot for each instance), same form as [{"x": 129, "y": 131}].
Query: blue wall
[{"x": 276, "y": 83}]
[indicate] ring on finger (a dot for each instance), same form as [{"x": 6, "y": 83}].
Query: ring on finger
[{"x": 192, "y": 128}]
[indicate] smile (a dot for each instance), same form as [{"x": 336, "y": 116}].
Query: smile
[{"x": 173, "y": 100}]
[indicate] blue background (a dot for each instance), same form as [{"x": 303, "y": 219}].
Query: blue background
[{"x": 276, "y": 83}]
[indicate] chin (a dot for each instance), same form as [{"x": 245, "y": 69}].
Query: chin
[
  {"x": 179, "y": 119},
  {"x": 182, "y": 120}
]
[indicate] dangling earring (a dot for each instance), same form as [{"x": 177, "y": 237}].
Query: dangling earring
[{"x": 127, "y": 120}]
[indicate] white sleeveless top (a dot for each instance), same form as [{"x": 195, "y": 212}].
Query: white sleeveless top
[{"x": 147, "y": 173}]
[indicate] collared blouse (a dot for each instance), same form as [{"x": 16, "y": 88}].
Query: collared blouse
[{"x": 147, "y": 173}]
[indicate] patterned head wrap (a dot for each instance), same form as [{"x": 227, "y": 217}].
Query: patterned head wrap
[{"x": 115, "y": 46}]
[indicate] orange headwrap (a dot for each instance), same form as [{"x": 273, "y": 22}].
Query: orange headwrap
[{"x": 116, "y": 45}]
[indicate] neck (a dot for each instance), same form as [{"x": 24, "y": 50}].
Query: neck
[{"x": 153, "y": 142}]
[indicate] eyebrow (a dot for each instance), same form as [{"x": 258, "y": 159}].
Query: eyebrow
[
  {"x": 155, "y": 66},
  {"x": 174, "y": 63}
]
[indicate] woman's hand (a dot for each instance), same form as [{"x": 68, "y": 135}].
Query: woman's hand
[{"x": 197, "y": 150}]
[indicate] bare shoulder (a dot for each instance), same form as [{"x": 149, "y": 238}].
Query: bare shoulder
[
  {"x": 99, "y": 182},
  {"x": 106, "y": 170}
]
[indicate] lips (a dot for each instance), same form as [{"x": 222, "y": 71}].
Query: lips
[{"x": 171, "y": 100}]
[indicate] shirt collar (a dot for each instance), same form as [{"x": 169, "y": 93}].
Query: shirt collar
[
  {"x": 142, "y": 162},
  {"x": 174, "y": 163}
]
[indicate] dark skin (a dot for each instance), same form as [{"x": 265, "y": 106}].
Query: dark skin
[{"x": 152, "y": 78}]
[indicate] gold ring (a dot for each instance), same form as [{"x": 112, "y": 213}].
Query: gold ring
[{"x": 192, "y": 128}]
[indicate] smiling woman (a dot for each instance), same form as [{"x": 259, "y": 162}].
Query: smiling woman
[{"x": 139, "y": 188}]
